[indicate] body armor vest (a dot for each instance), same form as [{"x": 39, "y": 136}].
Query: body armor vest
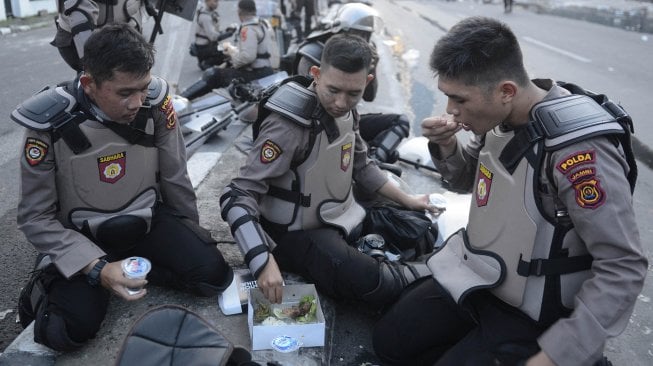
[
  {"x": 113, "y": 174},
  {"x": 322, "y": 182},
  {"x": 530, "y": 261},
  {"x": 113, "y": 177}
]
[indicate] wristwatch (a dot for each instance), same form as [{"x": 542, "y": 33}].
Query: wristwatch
[{"x": 93, "y": 277}]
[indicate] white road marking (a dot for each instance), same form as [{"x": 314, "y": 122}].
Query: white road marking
[{"x": 558, "y": 50}]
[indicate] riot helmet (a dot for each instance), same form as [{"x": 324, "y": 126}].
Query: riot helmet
[{"x": 357, "y": 18}]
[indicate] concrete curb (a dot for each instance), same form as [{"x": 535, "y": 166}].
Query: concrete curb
[{"x": 22, "y": 28}]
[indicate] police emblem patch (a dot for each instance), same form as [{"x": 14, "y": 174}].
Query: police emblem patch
[
  {"x": 345, "y": 156},
  {"x": 35, "y": 151},
  {"x": 169, "y": 110},
  {"x": 270, "y": 152},
  {"x": 589, "y": 193},
  {"x": 483, "y": 185},
  {"x": 112, "y": 167},
  {"x": 243, "y": 34}
]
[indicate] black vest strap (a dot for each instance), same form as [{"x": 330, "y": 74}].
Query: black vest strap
[
  {"x": 521, "y": 146},
  {"x": 290, "y": 196},
  {"x": 68, "y": 129},
  {"x": 554, "y": 266}
]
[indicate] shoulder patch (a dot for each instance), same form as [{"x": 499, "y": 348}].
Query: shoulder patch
[
  {"x": 576, "y": 159},
  {"x": 589, "y": 193},
  {"x": 243, "y": 34},
  {"x": 270, "y": 152},
  {"x": 171, "y": 116},
  {"x": 35, "y": 151}
]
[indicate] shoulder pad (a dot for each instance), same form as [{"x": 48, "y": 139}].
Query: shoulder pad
[
  {"x": 157, "y": 90},
  {"x": 295, "y": 102},
  {"x": 572, "y": 118},
  {"x": 41, "y": 109},
  {"x": 312, "y": 51}
]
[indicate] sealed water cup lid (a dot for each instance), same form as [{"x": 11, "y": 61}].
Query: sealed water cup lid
[
  {"x": 285, "y": 344},
  {"x": 136, "y": 266}
]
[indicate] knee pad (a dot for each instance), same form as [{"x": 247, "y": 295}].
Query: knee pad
[{"x": 50, "y": 330}]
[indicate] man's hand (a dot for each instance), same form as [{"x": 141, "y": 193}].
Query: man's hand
[
  {"x": 113, "y": 280},
  {"x": 420, "y": 202},
  {"x": 441, "y": 130},
  {"x": 228, "y": 48},
  {"x": 270, "y": 281}
]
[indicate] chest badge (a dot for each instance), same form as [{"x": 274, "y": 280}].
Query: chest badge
[
  {"x": 345, "y": 156},
  {"x": 483, "y": 185},
  {"x": 112, "y": 167}
]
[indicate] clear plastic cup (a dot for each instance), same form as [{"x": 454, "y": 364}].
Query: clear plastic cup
[
  {"x": 136, "y": 268},
  {"x": 286, "y": 350}
]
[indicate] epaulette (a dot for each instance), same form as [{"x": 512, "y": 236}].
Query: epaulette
[{"x": 42, "y": 111}]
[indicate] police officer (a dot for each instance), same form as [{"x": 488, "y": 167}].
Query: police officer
[
  {"x": 103, "y": 177},
  {"x": 383, "y": 131},
  {"x": 207, "y": 36},
  {"x": 250, "y": 56},
  {"x": 78, "y": 18},
  {"x": 551, "y": 263},
  {"x": 291, "y": 208}
]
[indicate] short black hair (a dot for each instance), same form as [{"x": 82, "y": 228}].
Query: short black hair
[
  {"x": 116, "y": 47},
  {"x": 248, "y": 6},
  {"x": 479, "y": 51},
  {"x": 347, "y": 52}
]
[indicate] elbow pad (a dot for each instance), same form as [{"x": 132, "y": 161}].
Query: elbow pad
[{"x": 246, "y": 231}]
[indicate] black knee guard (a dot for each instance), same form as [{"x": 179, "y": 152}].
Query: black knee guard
[
  {"x": 393, "y": 278},
  {"x": 385, "y": 145},
  {"x": 50, "y": 330},
  {"x": 49, "y": 327}
]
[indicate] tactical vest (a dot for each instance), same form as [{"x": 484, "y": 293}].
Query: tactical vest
[
  {"x": 110, "y": 179},
  {"x": 108, "y": 11},
  {"x": 528, "y": 267},
  {"x": 201, "y": 37},
  {"x": 267, "y": 53},
  {"x": 317, "y": 190}
]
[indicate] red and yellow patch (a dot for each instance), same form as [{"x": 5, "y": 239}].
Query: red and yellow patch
[
  {"x": 345, "y": 156},
  {"x": 243, "y": 34},
  {"x": 270, "y": 152},
  {"x": 35, "y": 151},
  {"x": 483, "y": 185},
  {"x": 169, "y": 110},
  {"x": 576, "y": 159},
  {"x": 589, "y": 193},
  {"x": 582, "y": 173},
  {"x": 112, "y": 167}
]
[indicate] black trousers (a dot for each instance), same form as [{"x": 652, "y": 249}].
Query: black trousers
[
  {"x": 324, "y": 257},
  {"x": 183, "y": 256},
  {"x": 426, "y": 327}
]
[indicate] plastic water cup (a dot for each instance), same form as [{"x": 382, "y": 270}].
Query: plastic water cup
[
  {"x": 286, "y": 350},
  {"x": 136, "y": 268}
]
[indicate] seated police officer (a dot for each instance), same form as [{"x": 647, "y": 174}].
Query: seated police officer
[
  {"x": 103, "y": 177},
  {"x": 249, "y": 56},
  {"x": 382, "y": 131},
  {"x": 291, "y": 208},
  {"x": 550, "y": 264}
]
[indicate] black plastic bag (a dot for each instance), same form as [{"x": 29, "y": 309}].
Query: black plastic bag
[{"x": 410, "y": 232}]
